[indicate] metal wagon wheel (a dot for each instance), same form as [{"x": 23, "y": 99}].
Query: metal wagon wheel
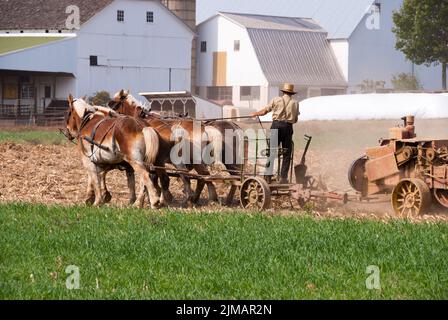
[
  {"x": 411, "y": 197},
  {"x": 441, "y": 197},
  {"x": 255, "y": 194}
]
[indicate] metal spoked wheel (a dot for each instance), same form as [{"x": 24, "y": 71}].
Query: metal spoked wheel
[
  {"x": 441, "y": 197},
  {"x": 411, "y": 197},
  {"x": 255, "y": 194}
]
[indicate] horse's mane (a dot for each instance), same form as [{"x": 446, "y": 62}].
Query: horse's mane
[
  {"x": 133, "y": 101},
  {"x": 81, "y": 106}
]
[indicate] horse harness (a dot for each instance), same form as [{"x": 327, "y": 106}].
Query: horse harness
[{"x": 91, "y": 139}]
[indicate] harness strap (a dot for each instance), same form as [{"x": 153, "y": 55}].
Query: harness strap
[{"x": 92, "y": 136}]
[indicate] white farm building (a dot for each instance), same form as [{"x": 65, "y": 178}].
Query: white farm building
[
  {"x": 245, "y": 58},
  {"x": 242, "y": 57},
  {"x": 132, "y": 44}
]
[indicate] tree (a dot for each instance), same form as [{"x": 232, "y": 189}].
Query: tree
[
  {"x": 421, "y": 30},
  {"x": 405, "y": 82},
  {"x": 101, "y": 98}
]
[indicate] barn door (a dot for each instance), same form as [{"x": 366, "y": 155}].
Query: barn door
[{"x": 219, "y": 69}]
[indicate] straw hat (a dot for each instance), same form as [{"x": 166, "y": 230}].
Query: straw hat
[{"x": 288, "y": 88}]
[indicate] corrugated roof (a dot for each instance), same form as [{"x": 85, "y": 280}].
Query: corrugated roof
[
  {"x": 300, "y": 57},
  {"x": 338, "y": 17},
  {"x": 274, "y": 23},
  {"x": 294, "y": 50}
]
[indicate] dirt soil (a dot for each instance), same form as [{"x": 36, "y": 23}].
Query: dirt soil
[{"x": 53, "y": 174}]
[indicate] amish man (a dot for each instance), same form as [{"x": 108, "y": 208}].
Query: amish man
[{"x": 285, "y": 112}]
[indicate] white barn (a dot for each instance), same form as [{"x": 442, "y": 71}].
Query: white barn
[
  {"x": 359, "y": 31},
  {"x": 245, "y": 58},
  {"x": 135, "y": 44}
]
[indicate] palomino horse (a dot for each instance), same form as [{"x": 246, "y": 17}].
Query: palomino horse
[
  {"x": 102, "y": 170},
  {"x": 108, "y": 141},
  {"x": 215, "y": 129},
  {"x": 124, "y": 103}
]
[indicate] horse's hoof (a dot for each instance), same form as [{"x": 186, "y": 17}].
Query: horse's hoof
[
  {"x": 186, "y": 204},
  {"x": 156, "y": 205},
  {"x": 137, "y": 205},
  {"x": 90, "y": 201},
  {"x": 107, "y": 197},
  {"x": 168, "y": 197},
  {"x": 194, "y": 201}
]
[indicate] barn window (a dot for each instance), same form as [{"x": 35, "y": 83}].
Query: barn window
[
  {"x": 93, "y": 60},
  {"x": 203, "y": 46},
  {"x": 236, "y": 45},
  {"x": 27, "y": 92},
  {"x": 120, "y": 15},
  {"x": 249, "y": 93},
  {"x": 149, "y": 16},
  {"x": 219, "y": 93}
]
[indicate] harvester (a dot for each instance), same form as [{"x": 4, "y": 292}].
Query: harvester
[{"x": 413, "y": 171}]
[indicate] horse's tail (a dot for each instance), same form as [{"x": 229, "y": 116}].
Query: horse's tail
[
  {"x": 151, "y": 143},
  {"x": 216, "y": 138}
]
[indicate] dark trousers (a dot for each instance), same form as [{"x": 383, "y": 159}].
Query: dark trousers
[{"x": 284, "y": 131}]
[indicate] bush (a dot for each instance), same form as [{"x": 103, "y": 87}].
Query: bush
[
  {"x": 101, "y": 98},
  {"x": 406, "y": 82},
  {"x": 371, "y": 86}
]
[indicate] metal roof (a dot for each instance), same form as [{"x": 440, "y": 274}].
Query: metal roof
[
  {"x": 292, "y": 50},
  {"x": 338, "y": 17},
  {"x": 254, "y": 21},
  {"x": 166, "y": 95}
]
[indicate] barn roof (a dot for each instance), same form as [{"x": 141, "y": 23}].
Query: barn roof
[
  {"x": 255, "y": 21},
  {"x": 339, "y": 17},
  {"x": 45, "y": 14},
  {"x": 11, "y": 44},
  {"x": 295, "y": 50},
  {"x": 51, "y": 14}
]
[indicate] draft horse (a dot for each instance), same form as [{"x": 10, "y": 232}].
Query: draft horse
[
  {"x": 107, "y": 141},
  {"x": 125, "y": 103}
]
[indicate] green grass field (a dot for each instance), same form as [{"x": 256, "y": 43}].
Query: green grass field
[
  {"x": 32, "y": 136},
  {"x": 140, "y": 254}
]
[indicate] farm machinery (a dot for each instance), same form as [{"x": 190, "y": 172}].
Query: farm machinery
[
  {"x": 256, "y": 190},
  {"x": 413, "y": 170}
]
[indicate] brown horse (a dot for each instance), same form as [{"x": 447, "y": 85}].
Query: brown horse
[
  {"x": 126, "y": 104},
  {"x": 105, "y": 141},
  {"x": 216, "y": 130},
  {"x": 102, "y": 170}
]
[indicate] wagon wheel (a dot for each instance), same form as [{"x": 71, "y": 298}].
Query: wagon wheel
[
  {"x": 356, "y": 174},
  {"x": 441, "y": 197},
  {"x": 255, "y": 194},
  {"x": 411, "y": 197}
]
